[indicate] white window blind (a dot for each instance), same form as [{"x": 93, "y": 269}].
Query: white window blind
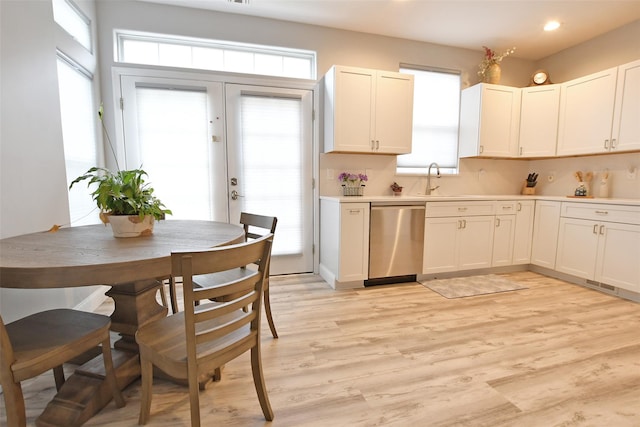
[
  {"x": 272, "y": 165},
  {"x": 173, "y": 141},
  {"x": 73, "y": 21},
  {"x": 436, "y": 111},
  {"x": 79, "y": 116}
]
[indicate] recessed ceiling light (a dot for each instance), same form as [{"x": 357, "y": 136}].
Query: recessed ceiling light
[{"x": 551, "y": 25}]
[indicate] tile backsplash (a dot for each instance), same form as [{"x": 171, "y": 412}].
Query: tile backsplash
[{"x": 487, "y": 176}]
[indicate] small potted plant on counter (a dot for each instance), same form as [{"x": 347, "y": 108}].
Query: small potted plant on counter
[
  {"x": 352, "y": 184},
  {"x": 397, "y": 190}
]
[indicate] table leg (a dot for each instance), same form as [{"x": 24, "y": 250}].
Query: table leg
[
  {"x": 85, "y": 392},
  {"x": 135, "y": 305}
]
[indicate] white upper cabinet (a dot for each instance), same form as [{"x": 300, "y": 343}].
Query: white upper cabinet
[
  {"x": 586, "y": 114},
  {"x": 367, "y": 111},
  {"x": 489, "y": 121},
  {"x": 626, "y": 115},
  {"x": 539, "y": 121}
]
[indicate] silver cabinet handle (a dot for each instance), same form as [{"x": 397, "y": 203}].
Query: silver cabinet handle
[
  {"x": 602, "y": 212},
  {"x": 602, "y": 229},
  {"x": 506, "y": 208},
  {"x": 521, "y": 151},
  {"x": 595, "y": 228},
  {"x": 519, "y": 207},
  {"x": 606, "y": 144},
  {"x": 462, "y": 209},
  {"x": 373, "y": 144},
  {"x": 497, "y": 222},
  {"x": 377, "y": 145},
  {"x": 464, "y": 223},
  {"x": 481, "y": 149},
  {"x": 613, "y": 144},
  {"x": 354, "y": 211}
]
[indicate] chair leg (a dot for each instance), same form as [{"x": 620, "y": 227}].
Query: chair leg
[
  {"x": 258, "y": 381},
  {"x": 267, "y": 311},
  {"x": 14, "y": 404},
  {"x": 194, "y": 399},
  {"x": 146, "y": 372},
  {"x": 58, "y": 376},
  {"x": 110, "y": 373}
]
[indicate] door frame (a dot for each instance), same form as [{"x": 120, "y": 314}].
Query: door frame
[{"x": 113, "y": 104}]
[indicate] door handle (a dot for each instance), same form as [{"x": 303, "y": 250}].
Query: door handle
[{"x": 235, "y": 195}]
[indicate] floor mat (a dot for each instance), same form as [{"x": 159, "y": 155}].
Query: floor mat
[{"x": 460, "y": 287}]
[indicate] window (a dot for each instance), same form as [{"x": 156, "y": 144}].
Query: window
[
  {"x": 73, "y": 21},
  {"x": 173, "y": 51},
  {"x": 79, "y": 121},
  {"x": 436, "y": 112}
]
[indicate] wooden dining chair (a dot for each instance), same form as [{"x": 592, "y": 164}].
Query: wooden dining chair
[
  {"x": 193, "y": 343},
  {"x": 255, "y": 226},
  {"x": 34, "y": 344}
]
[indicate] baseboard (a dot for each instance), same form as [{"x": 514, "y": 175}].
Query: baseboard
[{"x": 94, "y": 300}]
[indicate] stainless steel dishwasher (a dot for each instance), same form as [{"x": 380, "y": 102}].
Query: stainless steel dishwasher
[{"x": 396, "y": 240}]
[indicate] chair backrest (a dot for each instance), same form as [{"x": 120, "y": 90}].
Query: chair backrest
[
  {"x": 237, "y": 293},
  {"x": 249, "y": 221}
]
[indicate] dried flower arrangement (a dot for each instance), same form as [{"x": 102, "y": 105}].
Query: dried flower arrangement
[{"x": 490, "y": 58}]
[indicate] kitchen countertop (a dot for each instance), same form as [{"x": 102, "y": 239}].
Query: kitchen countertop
[{"x": 438, "y": 198}]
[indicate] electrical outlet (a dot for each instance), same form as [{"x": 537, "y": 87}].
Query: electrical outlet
[
  {"x": 551, "y": 176},
  {"x": 331, "y": 174}
]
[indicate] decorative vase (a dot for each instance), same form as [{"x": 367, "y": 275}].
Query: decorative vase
[
  {"x": 131, "y": 225},
  {"x": 492, "y": 74}
]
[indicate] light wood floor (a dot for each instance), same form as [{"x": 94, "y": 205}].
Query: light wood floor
[{"x": 554, "y": 354}]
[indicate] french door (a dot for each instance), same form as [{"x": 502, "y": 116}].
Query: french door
[
  {"x": 269, "y": 132},
  {"x": 211, "y": 156}
]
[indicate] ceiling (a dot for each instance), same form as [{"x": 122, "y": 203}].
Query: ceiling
[{"x": 470, "y": 24}]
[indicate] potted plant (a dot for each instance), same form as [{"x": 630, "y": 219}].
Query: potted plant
[
  {"x": 125, "y": 200},
  {"x": 352, "y": 184}
]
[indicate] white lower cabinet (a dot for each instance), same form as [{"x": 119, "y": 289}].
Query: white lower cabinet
[
  {"x": 503, "y": 239},
  {"x": 599, "y": 249},
  {"x": 344, "y": 241},
  {"x": 458, "y": 236},
  {"x": 523, "y": 235},
  {"x": 545, "y": 233}
]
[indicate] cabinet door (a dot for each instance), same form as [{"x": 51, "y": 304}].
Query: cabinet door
[
  {"x": 499, "y": 121},
  {"x": 523, "y": 232},
  {"x": 619, "y": 256},
  {"x": 354, "y": 94},
  {"x": 503, "y": 240},
  {"x": 545, "y": 233},
  {"x": 586, "y": 114},
  {"x": 626, "y": 126},
  {"x": 354, "y": 242},
  {"x": 475, "y": 244},
  {"x": 577, "y": 247},
  {"x": 393, "y": 113},
  {"x": 539, "y": 108},
  {"x": 440, "y": 245}
]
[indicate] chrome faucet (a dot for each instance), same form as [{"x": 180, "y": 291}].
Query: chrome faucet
[{"x": 429, "y": 189}]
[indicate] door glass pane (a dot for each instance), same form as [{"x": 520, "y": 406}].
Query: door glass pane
[
  {"x": 271, "y": 155},
  {"x": 173, "y": 143}
]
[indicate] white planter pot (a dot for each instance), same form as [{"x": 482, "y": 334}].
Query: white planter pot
[{"x": 131, "y": 225}]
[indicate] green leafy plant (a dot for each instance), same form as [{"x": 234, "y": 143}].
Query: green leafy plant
[{"x": 123, "y": 193}]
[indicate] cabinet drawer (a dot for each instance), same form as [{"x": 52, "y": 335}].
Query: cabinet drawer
[
  {"x": 602, "y": 212},
  {"x": 445, "y": 209},
  {"x": 506, "y": 207}
]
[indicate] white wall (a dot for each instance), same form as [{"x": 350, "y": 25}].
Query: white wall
[{"x": 33, "y": 184}]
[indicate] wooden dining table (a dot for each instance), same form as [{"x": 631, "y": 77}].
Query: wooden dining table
[{"x": 133, "y": 268}]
